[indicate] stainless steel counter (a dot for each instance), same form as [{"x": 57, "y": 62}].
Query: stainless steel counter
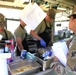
[{"x": 47, "y": 72}]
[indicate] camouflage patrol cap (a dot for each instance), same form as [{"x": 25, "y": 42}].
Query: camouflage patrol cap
[
  {"x": 2, "y": 20},
  {"x": 51, "y": 13}
]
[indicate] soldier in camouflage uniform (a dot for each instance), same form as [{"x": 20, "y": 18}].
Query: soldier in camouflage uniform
[
  {"x": 70, "y": 69},
  {"x": 71, "y": 60}
]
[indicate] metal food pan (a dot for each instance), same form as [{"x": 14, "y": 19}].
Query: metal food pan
[
  {"x": 44, "y": 63},
  {"x": 21, "y": 63}
]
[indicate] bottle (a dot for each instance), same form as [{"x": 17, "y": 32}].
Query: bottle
[
  {"x": 11, "y": 48},
  {"x": 6, "y": 50}
]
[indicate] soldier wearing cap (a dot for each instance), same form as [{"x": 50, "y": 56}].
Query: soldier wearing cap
[
  {"x": 45, "y": 29},
  {"x": 72, "y": 46},
  {"x": 6, "y": 35},
  {"x": 41, "y": 33},
  {"x": 70, "y": 68}
]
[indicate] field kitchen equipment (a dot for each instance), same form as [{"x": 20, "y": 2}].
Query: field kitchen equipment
[
  {"x": 23, "y": 67},
  {"x": 45, "y": 63}
]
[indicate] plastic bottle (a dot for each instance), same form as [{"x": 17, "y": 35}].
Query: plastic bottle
[
  {"x": 12, "y": 50},
  {"x": 7, "y": 45}
]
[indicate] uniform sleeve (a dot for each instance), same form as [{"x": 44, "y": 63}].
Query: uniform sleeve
[
  {"x": 18, "y": 33},
  {"x": 52, "y": 26},
  {"x": 72, "y": 45},
  {"x": 72, "y": 48},
  {"x": 10, "y": 35},
  {"x": 40, "y": 28},
  {"x": 71, "y": 60}
]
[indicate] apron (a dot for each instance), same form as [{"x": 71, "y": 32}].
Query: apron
[
  {"x": 45, "y": 35},
  {"x": 24, "y": 43},
  {"x": 2, "y": 45},
  {"x": 6, "y": 36}
]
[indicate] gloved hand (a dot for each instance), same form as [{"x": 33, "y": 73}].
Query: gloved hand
[
  {"x": 42, "y": 42},
  {"x": 23, "y": 54}
]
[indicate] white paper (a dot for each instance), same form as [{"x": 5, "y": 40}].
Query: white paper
[
  {"x": 60, "y": 50},
  {"x": 28, "y": 29},
  {"x": 64, "y": 48},
  {"x": 1, "y": 37},
  {"x": 32, "y": 15}
]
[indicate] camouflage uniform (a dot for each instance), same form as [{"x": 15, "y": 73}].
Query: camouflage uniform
[
  {"x": 70, "y": 69},
  {"x": 59, "y": 69}
]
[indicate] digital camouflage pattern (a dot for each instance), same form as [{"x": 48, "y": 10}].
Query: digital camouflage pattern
[{"x": 61, "y": 70}]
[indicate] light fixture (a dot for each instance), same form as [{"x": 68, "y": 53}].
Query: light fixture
[
  {"x": 21, "y": 1},
  {"x": 61, "y": 8}
]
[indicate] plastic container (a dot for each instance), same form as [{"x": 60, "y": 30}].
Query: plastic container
[
  {"x": 7, "y": 46},
  {"x": 23, "y": 54},
  {"x": 47, "y": 53},
  {"x": 11, "y": 50}
]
